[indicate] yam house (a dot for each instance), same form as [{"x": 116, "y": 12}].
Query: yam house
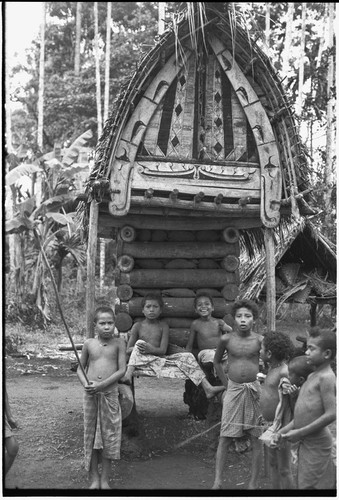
[{"x": 200, "y": 149}]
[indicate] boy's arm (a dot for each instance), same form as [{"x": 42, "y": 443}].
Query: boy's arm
[
  {"x": 83, "y": 360},
  {"x": 158, "y": 351},
  {"x": 224, "y": 327},
  {"x": 134, "y": 336},
  {"x": 191, "y": 338},
  {"x": 328, "y": 396},
  {"x": 219, "y": 352},
  {"x": 120, "y": 371}
]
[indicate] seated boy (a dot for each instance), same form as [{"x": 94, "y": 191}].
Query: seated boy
[
  {"x": 207, "y": 331},
  {"x": 314, "y": 410},
  {"x": 148, "y": 344},
  {"x": 240, "y": 411},
  {"x": 105, "y": 360},
  {"x": 276, "y": 349}
]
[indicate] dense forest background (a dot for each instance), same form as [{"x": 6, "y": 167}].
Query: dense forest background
[{"x": 73, "y": 73}]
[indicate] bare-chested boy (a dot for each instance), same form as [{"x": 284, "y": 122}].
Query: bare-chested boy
[
  {"x": 206, "y": 330},
  {"x": 148, "y": 344},
  {"x": 276, "y": 349},
  {"x": 241, "y": 409},
  {"x": 314, "y": 410},
  {"x": 105, "y": 360}
]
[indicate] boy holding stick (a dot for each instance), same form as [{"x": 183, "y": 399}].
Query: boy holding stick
[{"x": 105, "y": 360}]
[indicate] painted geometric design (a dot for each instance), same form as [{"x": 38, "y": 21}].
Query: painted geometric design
[
  {"x": 181, "y": 131},
  {"x": 200, "y": 117}
]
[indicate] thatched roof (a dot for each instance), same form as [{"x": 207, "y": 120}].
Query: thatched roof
[
  {"x": 194, "y": 34},
  {"x": 297, "y": 243}
]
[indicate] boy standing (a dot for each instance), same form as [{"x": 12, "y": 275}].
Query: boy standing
[
  {"x": 206, "y": 330},
  {"x": 240, "y": 410},
  {"x": 105, "y": 360},
  {"x": 314, "y": 410},
  {"x": 276, "y": 349},
  {"x": 148, "y": 344}
]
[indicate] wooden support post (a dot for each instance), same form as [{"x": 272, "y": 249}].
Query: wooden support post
[
  {"x": 270, "y": 279},
  {"x": 313, "y": 312},
  {"x": 91, "y": 258}
]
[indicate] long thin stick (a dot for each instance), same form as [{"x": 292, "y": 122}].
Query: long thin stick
[
  {"x": 195, "y": 437},
  {"x": 59, "y": 304}
]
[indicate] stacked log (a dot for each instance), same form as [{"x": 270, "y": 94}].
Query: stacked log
[{"x": 176, "y": 264}]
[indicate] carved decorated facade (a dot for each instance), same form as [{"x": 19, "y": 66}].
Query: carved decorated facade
[{"x": 201, "y": 141}]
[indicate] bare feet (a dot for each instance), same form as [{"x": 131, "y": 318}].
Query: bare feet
[
  {"x": 95, "y": 484},
  {"x": 252, "y": 485},
  {"x": 105, "y": 485},
  {"x": 213, "y": 390},
  {"x": 216, "y": 486}
]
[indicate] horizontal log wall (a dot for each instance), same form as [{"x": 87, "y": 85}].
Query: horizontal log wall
[{"x": 176, "y": 264}]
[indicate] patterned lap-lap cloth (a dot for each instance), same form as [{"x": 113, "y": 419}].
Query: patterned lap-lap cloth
[
  {"x": 240, "y": 410},
  {"x": 102, "y": 425},
  {"x": 316, "y": 469},
  {"x": 179, "y": 365}
]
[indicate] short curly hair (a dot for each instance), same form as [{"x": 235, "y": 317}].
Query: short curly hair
[
  {"x": 202, "y": 294},
  {"x": 280, "y": 345},
  {"x": 328, "y": 339},
  {"x": 249, "y": 304},
  {"x": 152, "y": 296},
  {"x": 103, "y": 310}
]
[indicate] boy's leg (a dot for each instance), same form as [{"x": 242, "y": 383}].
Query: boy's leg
[
  {"x": 94, "y": 471},
  {"x": 127, "y": 378},
  {"x": 12, "y": 448},
  {"x": 273, "y": 468},
  {"x": 257, "y": 455},
  {"x": 211, "y": 390},
  {"x": 220, "y": 462},
  {"x": 105, "y": 473},
  {"x": 284, "y": 467}
]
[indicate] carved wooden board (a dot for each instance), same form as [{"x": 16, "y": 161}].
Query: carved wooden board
[
  {"x": 263, "y": 134},
  {"x": 121, "y": 165}
]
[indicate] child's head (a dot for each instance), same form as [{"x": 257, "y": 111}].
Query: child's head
[
  {"x": 321, "y": 346},
  {"x": 276, "y": 346},
  {"x": 103, "y": 310},
  {"x": 245, "y": 303},
  {"x": 152, "y": 305},
  {"x": 298, "y": 370},
  {"x": 244, "y": 312},
  {"x": 203, "y": 304},
  {"x": 104, "y": 320}
]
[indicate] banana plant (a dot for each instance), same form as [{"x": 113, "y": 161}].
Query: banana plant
[{"x": 57, "y": 226}]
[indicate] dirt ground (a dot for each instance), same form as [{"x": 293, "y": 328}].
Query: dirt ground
[{"x": 46, "y": 400}]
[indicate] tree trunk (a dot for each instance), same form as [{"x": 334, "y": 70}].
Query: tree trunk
[
  {"x": 161, "y": 17},
  {"x": 328, "y": 177},
  {"x": 102, "y": 262},
  {"x": 301, "y": 61},
  {"x": 97, "y": 68},
  {"x": 288, "y": 38},
  {"x": 41, "y": 79},
  {"x": 77, "y": 40},
  {"x": 108, "y": 57},
  {"x": 267, "y": 24}
]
